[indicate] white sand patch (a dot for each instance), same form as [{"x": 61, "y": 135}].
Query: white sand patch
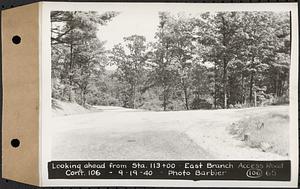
[{"x": 60, "y": 108}]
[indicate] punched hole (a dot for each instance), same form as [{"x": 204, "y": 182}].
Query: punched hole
[
  {"x": 15, "y": 143},
  {"x": 16, "y": 39}
]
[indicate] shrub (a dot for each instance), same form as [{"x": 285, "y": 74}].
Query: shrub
[
  {"x": 199, "y": 103},
  {"x": 267, "y": 132},
  {"x": 152, "y": 105},
  {"x": 176, "y": 105},
  {"x": 55, "y": 105},
  {"x": 238, "y": 106},
  {"x": 271, "y": 99},
  {"x": 280, "y": 100}
]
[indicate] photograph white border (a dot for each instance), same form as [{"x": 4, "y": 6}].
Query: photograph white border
[{"x": 45, "y": 90}]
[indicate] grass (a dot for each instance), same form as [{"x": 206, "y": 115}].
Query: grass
[{"x": 268, "y": 132}]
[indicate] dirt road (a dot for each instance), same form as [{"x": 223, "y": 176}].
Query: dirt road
[{"x": 117, "y": 133}]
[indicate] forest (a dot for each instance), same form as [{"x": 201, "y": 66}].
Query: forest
[{"x": 211, "y": 60}]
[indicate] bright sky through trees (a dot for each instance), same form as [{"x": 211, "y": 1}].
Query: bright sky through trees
[{"x": 145, "y": 25}]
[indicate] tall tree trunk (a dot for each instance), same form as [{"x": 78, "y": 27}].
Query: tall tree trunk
[
  {"x": 133, "y": 97},
  {"x": 225, "y": 43},
  {"x": 255, "y": 98},
  {"x": 70, "y": 75},
  {"x": 251, "y": 88},
  {"x": 165, "y": 101},
  {"x": 225, "y": 82},
  {"x": 186, "y": 99},
  {"x": 132, "y": 100},
  {"x": 243, "y": 95},
  {"x": 82, "y": 97},
  {"x": 164, "y": 97},
  {"x": 277, "y": 88},
  {"x": 275, "y": 85},
  {"x": 280, "y": 87},
  {"x": 185, "y": 95},
  {"x": 215, "y": 87}
]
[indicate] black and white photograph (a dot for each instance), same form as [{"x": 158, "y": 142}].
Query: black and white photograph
[
  {"x": 170, "y": 85},
  {"x": 169, "y": 94}
]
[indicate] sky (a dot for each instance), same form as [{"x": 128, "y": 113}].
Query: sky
[{"x": 139, "y": 21}]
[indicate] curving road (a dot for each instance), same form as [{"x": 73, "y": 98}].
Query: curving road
[{"x": 113, "y": 133}]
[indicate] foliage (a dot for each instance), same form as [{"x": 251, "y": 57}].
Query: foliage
[
  {"x": 130, "y": 60},
  {"x": 263, "y": 132},
  {"x": 77, "y": 54},
  {"x": 208, "y": 60}
]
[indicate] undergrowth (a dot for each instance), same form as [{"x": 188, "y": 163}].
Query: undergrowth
[{"x": 269, "y": 132}]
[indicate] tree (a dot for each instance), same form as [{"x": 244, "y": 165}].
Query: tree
[
  {"x": 222, "y": 59},
  {"x": 130, "y": 60},
  {"x": 278, "y": 72},
  {"x": 266, "y": 44},
  {"x": 163, "y": 72},
  {"x": 89, "y": 64},
  {"x": 69, "y": 31},
  {"x": 182, "y": 50},
  {"x": 226, "y": 27}
]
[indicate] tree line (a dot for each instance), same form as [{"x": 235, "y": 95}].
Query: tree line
[{"x": 209, "y": 60}]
